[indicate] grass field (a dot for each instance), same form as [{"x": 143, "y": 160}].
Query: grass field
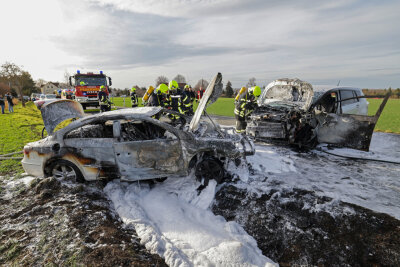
[
  {"x": 18, "y": 128},
  {"x": 389, "y": 121}
]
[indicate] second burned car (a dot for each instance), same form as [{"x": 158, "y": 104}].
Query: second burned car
[{"x": 292, "y": 111}]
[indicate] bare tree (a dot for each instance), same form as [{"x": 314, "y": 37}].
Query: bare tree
[
  {"x": 201, "y": 84},
  {"x": 251, "y": 82},
  {"x": 66, "y": 78},
  {"x": 161, "y": 79},
  {"x": 11, "y": 74},
  {"x": 180, "y": 78}
]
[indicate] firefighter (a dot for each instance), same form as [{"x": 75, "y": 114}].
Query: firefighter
[
  {"x": 175, "y": 100},
  {"x": 244, "y": 106},
  {"x": 134, "y": 98},
  {"x": 105, "y": 103},
  {"x": 187, "y": 100},
  {"x": 159, "y": 97}
]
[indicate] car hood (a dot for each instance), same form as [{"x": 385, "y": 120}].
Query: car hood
[
  {"x": 287, "y": 92},
  {"x": 55, "y": 112},
  {"x": 211, "y": 94}
]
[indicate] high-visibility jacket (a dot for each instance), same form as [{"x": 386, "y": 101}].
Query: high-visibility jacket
[
  {"x": 245, "y": 105},
  {"x": 187, "y": 100},
  {"x": 157, "y": 100},
  {"x": 134, "y": 99},
  {"x": 103, "y": 98},
  {"x": 175, "y": 103}
]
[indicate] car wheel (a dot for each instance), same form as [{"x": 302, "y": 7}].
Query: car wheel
[
  {"x": 209, "y": 168},
  {"x": 63, "y": 169}
]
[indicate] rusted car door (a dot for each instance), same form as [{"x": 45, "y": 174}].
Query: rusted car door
[
  {"x": 347, "y": 130},
  {"x": 148, "y": 154}
]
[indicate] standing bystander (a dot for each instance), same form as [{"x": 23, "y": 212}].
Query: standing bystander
[
  {"x": 2, "y": 104},
  {"x": 10, "y": 103}
]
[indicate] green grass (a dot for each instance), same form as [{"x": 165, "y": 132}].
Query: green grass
[
  {"x": 18, "y": 128},
  {"x": 389, "y": 120}
]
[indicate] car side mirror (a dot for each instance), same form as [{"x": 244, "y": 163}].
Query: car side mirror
[
  {"x": 109, "y": 81},
  {"x": 117, "y": 129},
  {"x": 70, "y": 81}
]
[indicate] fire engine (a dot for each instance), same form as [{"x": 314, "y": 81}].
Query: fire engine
[{"x": 87, "y": 87}]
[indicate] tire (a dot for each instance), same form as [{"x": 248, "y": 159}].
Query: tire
[
  {"x": 209, "y": 168},
  {"x": 64, "y": 169}
]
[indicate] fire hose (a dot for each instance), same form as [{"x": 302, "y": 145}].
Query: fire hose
[{"x": 7, "y": 156}]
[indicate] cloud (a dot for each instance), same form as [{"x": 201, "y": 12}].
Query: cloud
[{"x": 312, "y": 40}]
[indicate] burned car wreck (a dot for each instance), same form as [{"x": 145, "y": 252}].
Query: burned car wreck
[
  {"x": 131, "y": 144},
  {"x": 291, "y": 111}
]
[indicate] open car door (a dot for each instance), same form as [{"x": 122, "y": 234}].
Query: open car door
[
  {"x": 347, "y": 130},
  {"x": 55, "y": 112}
]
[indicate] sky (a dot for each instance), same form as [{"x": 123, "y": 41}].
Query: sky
[{"x": 355, "y": 42}]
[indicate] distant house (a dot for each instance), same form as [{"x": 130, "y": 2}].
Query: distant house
[{"x": 50, "y": 87}]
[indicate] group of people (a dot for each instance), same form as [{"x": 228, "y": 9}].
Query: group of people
[
  {"x": 170, "y": 97},
  {"x": 181, "y": 101},
  {"x": 7, "y": 97}
]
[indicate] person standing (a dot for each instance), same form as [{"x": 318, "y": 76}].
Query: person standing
[
  {"x": 2, "y": 104},
  {"x": 245, "y": 106},
  {"x": 187, "y": 100},
  {"x": 105, "y": 104},
  {"x": 134, "y": 98},
  {"x": 10, "y": 103},
  {"x": 175, "y": 100}
]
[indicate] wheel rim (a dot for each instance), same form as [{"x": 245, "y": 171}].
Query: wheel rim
[{"x": 64, "y": 171}]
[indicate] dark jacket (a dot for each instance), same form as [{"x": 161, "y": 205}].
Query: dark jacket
[
  {"x": 134, "y": 99},
  {"x": 1, "y": 101},
  {"x": 103, "y": 98},
  {"x": 9, "y": 100}
]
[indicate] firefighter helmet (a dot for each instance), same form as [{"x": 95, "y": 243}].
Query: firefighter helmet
[
  {"x": 82, "y": 83},
  {"x": 173, "y": 85},
  {"x": 162, "y": 88},
  {"x": 102, "y": 87},
  {"x": 133, "y": 89},
  {"x": 187, "y": 86},
  {"x": 256, "y": 91}
]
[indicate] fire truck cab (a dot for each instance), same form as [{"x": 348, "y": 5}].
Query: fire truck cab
[{"x": 87, "y": 87}]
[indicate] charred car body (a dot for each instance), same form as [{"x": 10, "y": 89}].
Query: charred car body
[
  {"x": 291, "y": 111},
  {"x": 130, "y": 144}
]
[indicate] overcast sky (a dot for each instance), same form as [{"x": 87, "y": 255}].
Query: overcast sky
[{"x": 134, "y": 41}]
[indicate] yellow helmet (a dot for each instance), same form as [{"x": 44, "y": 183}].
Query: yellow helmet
[
  {"x": 187, "y": 86},
  {"x": 256, "y": 91},
  {"x": 162, "y": 88},
  {"x": 133, "y": 89},
  {"x": 173, "y": 85},
  {"x": 82, "y": 83},
  {"x": 102, "y": 87}
]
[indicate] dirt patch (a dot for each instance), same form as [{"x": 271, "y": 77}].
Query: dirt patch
[
  {"x": 62, "y": 223},
  {"x": 296, "y": 227}
]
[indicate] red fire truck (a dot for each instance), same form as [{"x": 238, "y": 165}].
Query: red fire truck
[{"x": 87, "y": 87}]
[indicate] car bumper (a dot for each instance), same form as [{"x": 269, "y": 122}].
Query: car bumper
[{"x": 32, "y": 168}]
